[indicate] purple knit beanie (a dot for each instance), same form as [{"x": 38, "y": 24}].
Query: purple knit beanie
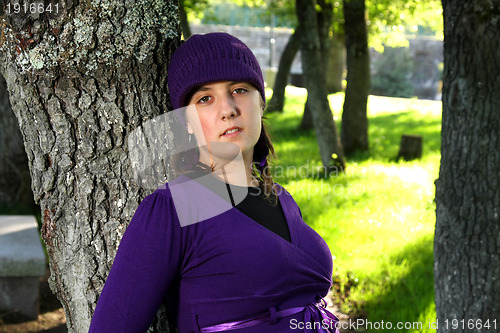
[{"x": 210, "y": 58}]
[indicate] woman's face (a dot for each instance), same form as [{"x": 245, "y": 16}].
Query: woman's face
[{"x": 227, "y": 112}]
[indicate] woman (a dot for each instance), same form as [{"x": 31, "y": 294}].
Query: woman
[{"x": 222, "y": 244}]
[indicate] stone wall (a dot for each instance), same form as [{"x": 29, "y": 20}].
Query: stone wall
[{"x": 427, "y": 54}]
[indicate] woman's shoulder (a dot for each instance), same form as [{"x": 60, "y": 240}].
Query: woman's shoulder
[
  {"x": 190, "y": 200},
  {"x": 280, "y": 190},
  {"x": 286, "y": 199},
  {"x": 162, "y": 199},
  {"x": 159, "y": 209},
  {"x": 164, "y": 191}
]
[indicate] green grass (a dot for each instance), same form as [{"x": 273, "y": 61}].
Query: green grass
[{"x": 378, "y": 218}]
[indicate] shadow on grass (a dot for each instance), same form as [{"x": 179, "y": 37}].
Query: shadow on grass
[
  {"x": 385, "y": 133},
  {"x": 408, "y": 298}
]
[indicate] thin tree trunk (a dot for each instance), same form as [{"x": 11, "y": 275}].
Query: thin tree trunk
[
  {"x": 467, "y": 243},
  {"x": 330, "y": 148},
  {"x": 186, "y": 30},
  {"x": 15, "y": 181},
  {"x": 354, "y": 117},
  {"x": 324, "y": 17},
  {"x": 79, "y": 85},
  {"x": 307, "y": 122},
  {"x": 277, "y": 101}
]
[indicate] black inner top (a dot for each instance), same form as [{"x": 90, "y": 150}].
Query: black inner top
[{"x": 258, "y": 208}]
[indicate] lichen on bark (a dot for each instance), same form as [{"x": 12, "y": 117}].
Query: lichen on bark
[{"x": 100, "y": 32}]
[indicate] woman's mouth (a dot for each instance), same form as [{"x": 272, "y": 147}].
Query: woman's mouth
[{"x": 232, "y": 131}]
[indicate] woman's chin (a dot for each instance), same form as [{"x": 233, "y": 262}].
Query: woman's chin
[{"x": 222, "y": 153}]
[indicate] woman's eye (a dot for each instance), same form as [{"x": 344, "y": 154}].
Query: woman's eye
[
  {"x": 204, "y": 99},
  {"x": 239, "y": 90}
]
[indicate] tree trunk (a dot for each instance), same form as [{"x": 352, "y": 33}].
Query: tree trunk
[
  {"x": 79, "y": 84},
  {"x": 333, "y": 77},
  {"x": 330, "y": 148},
  {"x": 186, "y": 30},
  {"x": 277, "y": 101},
  {"x": 325, "y": 18},
  {"x": 307, "y": 122},
  {"x": 467, "y": 243},
  {"x": 15, "y": 181},
  {"x": 354, "y": 118}
]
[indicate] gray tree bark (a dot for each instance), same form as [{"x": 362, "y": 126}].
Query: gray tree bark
[
  {"x": 15, "y": 181},
  {"x": 79, "y": 84},
  {"x": 307, "y": 122},
  {"x": 354, "y": 118},
  {"x": 332, "y": 155},
  {"x": 334, "y": 74},
  {"x": 324, "y": 21},
  {"x": 467, "y": 237}
]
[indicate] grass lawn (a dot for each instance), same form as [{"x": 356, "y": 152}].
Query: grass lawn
[{"x": 378, "y": 218}]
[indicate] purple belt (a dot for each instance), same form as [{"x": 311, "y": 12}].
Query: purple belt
[{"x": 315, "y": 313}]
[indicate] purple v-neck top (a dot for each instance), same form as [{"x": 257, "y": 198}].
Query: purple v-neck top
[{"x": 221, "y": 269}]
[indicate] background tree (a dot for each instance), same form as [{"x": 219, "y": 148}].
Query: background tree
[
  {"x": 324, "y": 18},
  {"x": 15, "y": 181},
  {"x": 277, "y": 101},
  {"x": 284, "y": 9},
  {"x": 330, "y": 148},
  {"x": 186, "y": 30},
  {"x": 383, "y": 15},
  {"x": 466, "y": 244},
  {"x": 354, "y": 117},
  {"x": 188, "y": 11},
  {"x": 374, "y": 18},
  {"x": 80, "y": 82},
  {"x": 389, "y": 21}
]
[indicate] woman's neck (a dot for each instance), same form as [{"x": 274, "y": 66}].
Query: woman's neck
[
  {"x": 237, "y": 171},
  {"x": 236, "y": 174}
]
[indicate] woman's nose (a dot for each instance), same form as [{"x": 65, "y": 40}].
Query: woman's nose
[{"x": 227, "y": 107}]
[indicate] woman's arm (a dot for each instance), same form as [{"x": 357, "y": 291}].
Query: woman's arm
[{"x": 146, "y": 263}]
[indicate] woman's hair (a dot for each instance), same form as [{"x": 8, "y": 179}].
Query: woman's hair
[{"x": 262, "y": 152}]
